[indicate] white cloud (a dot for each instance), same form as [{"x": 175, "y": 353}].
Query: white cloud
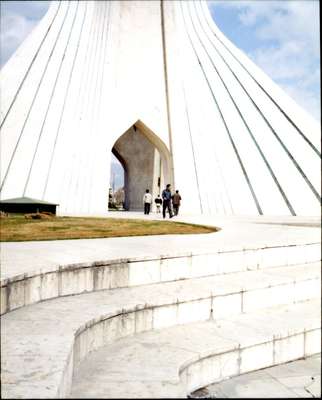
[
  {"x": 14, "y": 28},
  {"x": 293, "y": 21},
  {"x": 30, "y": 9},
  {"x": 280, "y": 20},
  {"x": 284, "y": 61},
  {"x": 288, "y": 45},
  {"x": 304, "y": 97},
  {"x": 18, "y": 18}
]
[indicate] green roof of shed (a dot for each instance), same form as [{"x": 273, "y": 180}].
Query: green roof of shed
[{"x": 26, "y": 200}]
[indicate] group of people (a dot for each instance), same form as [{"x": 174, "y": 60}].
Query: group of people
[{"x": 169, "y": 201}]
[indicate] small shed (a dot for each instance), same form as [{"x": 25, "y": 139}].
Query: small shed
[{"x": 27, "y": 205}]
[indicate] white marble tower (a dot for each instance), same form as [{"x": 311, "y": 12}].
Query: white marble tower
[{"x": 158, "y": 84}]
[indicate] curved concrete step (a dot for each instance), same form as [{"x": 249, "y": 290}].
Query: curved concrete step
[
  {"x": 49, "y": 282},
  {"x": 173, "y": 362},
  {"x": 295, "y": 379},
  {"x": 44, "y": 342},
  {"x": 67, "y": 267}
]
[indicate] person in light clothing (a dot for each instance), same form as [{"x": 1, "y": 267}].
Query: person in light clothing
[
  {"x": 158, "y": 202},
  {"x": 147, "y": 200}
]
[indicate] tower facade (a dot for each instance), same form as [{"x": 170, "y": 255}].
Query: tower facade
[{"x": 157, "y": 84}]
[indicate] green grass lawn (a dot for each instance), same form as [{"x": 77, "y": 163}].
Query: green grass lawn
[{"x": 17, "y": 228}]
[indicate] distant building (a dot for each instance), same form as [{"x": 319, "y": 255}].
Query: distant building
[{"x": 119, "y": 196}]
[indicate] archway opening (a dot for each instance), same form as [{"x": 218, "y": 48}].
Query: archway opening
[{"x": 145, "y": 160}]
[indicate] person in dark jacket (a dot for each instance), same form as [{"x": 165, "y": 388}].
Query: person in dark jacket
[
  {"x": 176, "y": 199},
  {"x": 166, "y": 198}
]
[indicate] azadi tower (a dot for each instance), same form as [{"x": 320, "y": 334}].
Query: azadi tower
[{"x": 157, "y": 84}]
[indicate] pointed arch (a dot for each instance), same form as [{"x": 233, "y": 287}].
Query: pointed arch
[
  {"x": 146, "y": 161},
  {"x": 162, "y": 148}
]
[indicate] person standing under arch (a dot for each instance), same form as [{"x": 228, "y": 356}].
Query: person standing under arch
[{"x": 166, "y": 198}]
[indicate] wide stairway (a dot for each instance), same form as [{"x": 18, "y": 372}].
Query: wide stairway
[{"x": 158, "y": 328}]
